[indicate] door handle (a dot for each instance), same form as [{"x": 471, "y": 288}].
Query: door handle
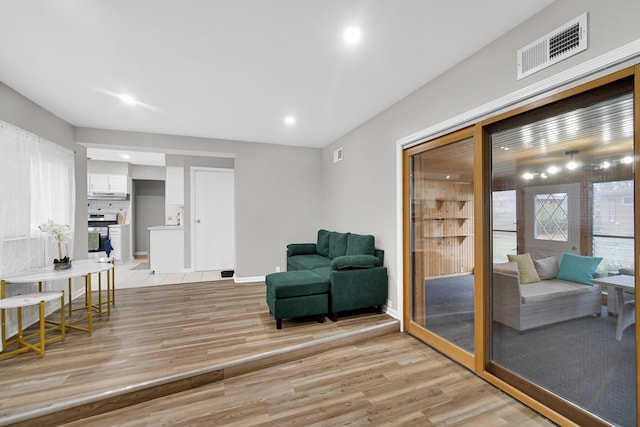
[{"x": 197, "y": 221}]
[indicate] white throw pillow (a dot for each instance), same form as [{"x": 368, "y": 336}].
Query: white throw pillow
[{"x": 547, "y": 268}]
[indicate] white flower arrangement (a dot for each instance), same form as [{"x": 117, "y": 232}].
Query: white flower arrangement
[{"x": 62, "y": 234}]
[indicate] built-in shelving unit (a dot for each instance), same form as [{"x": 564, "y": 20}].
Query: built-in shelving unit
[{"x": 443, "y": 227}]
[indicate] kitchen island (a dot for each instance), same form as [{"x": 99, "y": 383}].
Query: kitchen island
[{"x": 166, "y": 249}]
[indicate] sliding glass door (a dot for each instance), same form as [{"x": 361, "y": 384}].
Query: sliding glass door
[
  {"x": 441, "y": 228},
  {"x": 562, "y": 304}
]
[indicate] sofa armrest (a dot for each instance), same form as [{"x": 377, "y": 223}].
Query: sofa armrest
[
  {"x": 301, "y": 249},
  {"x": 506, "y": 288},
  {"x": 354, "y": 261},
  {"x": 357, "y": 288}
]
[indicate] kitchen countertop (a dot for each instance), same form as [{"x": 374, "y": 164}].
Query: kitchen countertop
[{"x": 166, "y": 227}]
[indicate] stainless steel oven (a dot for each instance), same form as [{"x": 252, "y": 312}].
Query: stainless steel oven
[{"x": 99, "y": 230}]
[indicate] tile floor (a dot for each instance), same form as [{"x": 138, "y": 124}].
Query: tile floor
[{"x": 127, "y": 277}]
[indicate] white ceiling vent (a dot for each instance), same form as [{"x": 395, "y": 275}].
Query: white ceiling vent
[{"x": 559, "y": 44}]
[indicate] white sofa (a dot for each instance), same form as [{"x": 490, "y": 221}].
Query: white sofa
[{"x": 530, "y": 305}]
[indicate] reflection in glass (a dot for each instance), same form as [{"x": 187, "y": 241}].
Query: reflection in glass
[
  {"x": 442, "y": 242},
  {"x": 550, "y": 325}
]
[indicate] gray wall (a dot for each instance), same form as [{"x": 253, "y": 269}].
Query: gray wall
[
  {"x": 148, "y": 207},
  {"x": 359, "y": 193},
  {"x": 277, "y": 190},
  {"x": 21, "y": 112}
]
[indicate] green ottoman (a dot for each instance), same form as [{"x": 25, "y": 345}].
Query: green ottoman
[{"x": 297, "y": 294}]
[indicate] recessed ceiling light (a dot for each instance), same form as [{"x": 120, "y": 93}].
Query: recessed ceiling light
[
  {"x": 125, "y": 156},
  {"x": 352, "y": 35},
  {"x": 127, "y": 99},
  {"x": 289, "y": 120}
]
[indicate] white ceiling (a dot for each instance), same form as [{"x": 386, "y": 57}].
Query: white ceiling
[{"x": 233, "y": 69}]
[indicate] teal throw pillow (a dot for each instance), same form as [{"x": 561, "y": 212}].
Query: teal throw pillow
[
  {"x": 358, "y": 244},
  {"x": 322, "y": 247},
  {"x": 577, "y": 268},
  {"x": 337, "y": 244}
]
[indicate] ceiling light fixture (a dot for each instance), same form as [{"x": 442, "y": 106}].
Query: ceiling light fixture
[
  {"x": 290, "y": 120},
  {"x": 572, "y": 163},
  {"x": 553, "y": 170},
  {"x": 127, "y": 99},
  {"x": 627, "y": 160},
  {"x": 352, "y": 35}
]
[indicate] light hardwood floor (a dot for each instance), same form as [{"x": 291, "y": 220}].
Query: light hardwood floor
[
  {"x": 394, "y": 380},
  {"x": 207, "y": 342}
]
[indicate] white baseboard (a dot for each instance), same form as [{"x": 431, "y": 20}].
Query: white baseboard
[
  {"x": 393, "y": 313},
  {"x": 253, "y": 279}
]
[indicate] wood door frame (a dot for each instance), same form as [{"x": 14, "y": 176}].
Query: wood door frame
[{"x": 461, "y": 356}]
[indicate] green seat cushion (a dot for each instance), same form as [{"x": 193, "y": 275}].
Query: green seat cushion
[
  {"x": 323, "y": 272},
  {"x": 307, "y": 262},
  {"x": 359, "y": 244},
  {"x": 290, "y": 284}
]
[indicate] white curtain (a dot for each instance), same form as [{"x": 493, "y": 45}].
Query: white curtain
[{"x": 36, "y": 185}]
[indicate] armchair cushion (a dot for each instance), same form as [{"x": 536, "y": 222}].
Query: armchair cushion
[
  {"x": 337, "y": 244},
  {"x": 354, "y": 261},
  {"x": 359, "y": 244}
]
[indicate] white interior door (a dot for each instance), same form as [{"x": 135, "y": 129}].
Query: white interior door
[
  {"x": 213, "y": 231},
  {"x": 552, "y": 220}
]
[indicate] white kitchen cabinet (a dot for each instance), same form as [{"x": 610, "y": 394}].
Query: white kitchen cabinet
[
  {"x": 118, "y": 184},
  {"x": 166, "y": 249},
  {"x": 174, "y": 186},
  {"x": 120, "y": 237},
  {"x": 98, "y": 182},
  {"x": 106, "y": 183}
]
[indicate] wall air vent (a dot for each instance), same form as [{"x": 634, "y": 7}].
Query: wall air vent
[
  {"x": 338, "y": 155},
  {"x": 563, "y": 42}
]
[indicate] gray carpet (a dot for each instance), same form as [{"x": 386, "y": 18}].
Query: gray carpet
[
  {"x": 449, "y": 309},
  {"x": 579, "y": 360}
]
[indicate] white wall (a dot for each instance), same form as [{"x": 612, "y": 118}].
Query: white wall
[
  {"x": 359, "y": 193},
  {"x": 154, "y": 173}
]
